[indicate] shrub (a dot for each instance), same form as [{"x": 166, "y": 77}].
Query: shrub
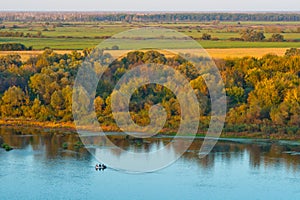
[
  {"x": 206, "y": 36},
  {"x": 65, "y": 145},
  {"x": 235, "y": 39},
  {"x": 276, "y": 37},
  {"x": 78, "y": 145},
  {"x": 115, "y": 47},
  {"x": 6, "y": 147}
]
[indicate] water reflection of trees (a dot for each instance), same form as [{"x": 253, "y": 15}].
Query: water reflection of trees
[
  {"x": 264, "y": 154},
  {"x": 259, "y": 154},
  {"x": 49, "y": 142}
]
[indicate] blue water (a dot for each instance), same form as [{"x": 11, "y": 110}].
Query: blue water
[{"x": 234, "y": 170}]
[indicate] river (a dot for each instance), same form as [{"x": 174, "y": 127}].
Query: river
[{"x": 47, "y": 164}]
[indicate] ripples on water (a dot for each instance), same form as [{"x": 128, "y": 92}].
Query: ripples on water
[{"x": 42, "y": 167}]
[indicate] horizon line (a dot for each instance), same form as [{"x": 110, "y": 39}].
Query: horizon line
[{"x": 127, "y": 11}]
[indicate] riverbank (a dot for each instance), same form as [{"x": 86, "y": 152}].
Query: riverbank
[
  {"x": 70, "y": 127},
  {"x": 63, "y": 126}
]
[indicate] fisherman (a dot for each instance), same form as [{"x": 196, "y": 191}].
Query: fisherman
[{"x": 103, "y": 167}]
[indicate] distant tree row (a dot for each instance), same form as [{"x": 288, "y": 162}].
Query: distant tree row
[
  {"x": 20, "y": 34},
  {"x": 146, "y": 17},
  {"x": 14, "y": 47},
  {"x": 249, "y": 35}
]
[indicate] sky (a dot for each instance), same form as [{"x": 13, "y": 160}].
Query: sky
[{"x": 150, "y": 5}]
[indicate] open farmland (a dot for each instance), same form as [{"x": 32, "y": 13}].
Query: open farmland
[
  {"x": 214, "y": 53},
  {"x": 78, "y": 35}
]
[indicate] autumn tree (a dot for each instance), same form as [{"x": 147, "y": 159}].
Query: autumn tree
[
  {"x": 206, "y": 36},
  {"x": 12, "y": 101},
  {"x": 276, "y": 37},
  {"x": 252, "y": 35}
]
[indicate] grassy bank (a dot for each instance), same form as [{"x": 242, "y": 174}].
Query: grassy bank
[{"x": 70, "y": 127}]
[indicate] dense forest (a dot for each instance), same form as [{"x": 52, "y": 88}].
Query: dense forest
[
  {"x": 145, "y": 16},
  {"x": 263, "y": 94}
]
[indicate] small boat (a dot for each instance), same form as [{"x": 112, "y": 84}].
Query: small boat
[{"x": 100, "y": 167}]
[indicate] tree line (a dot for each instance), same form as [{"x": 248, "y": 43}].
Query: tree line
[
  {"x": 263, "y": 94},
  {"x": 145, "y": 17},
  {"x": 14, "y": 47},
  {"x": 20, "y": 34},
  {"x": 249, "y": 35}
]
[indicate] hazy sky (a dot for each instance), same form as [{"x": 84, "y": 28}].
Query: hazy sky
[{"x": 151, "y": 5}]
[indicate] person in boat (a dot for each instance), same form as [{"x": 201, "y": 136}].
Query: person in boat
[
  {"x": 97, "y": 166},
  {"x": 103, "y": 166}
]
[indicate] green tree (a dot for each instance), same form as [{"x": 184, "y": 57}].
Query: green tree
[
  {"x": 206, "y": 36},
  {"x": 252, "y": 35},
  {"x": 236, "y": 95},
  {"x": 57, "y": 100},
  {"x": 276, "y": 37},
  {"x": 292, "y": 52}
]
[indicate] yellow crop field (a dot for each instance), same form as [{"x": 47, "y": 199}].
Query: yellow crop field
[{"x": 214, "y": 53}]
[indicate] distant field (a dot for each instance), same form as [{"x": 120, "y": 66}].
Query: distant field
[
  {"x": 215, "y": 53},
  {"x": 79, "y": 35},
  {"x": 80, "y": 44}
]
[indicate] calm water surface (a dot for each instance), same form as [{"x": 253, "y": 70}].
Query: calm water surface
[{"x": 51, "y": 165}]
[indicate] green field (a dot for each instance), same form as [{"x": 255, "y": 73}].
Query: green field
[
  {"x": 78, "y": 35},
  {"x": 79, "y": 44}
]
